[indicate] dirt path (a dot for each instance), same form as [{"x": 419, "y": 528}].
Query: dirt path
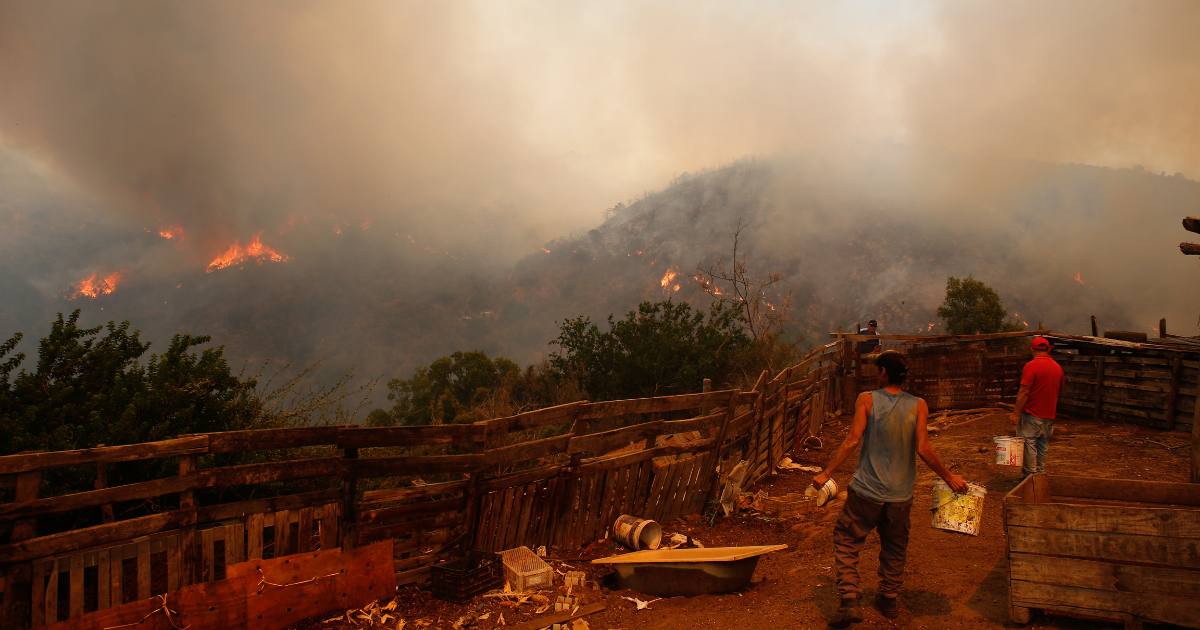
[{"x": 952, "y": 580}]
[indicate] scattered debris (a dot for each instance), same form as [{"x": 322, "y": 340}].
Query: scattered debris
[
  {"x": 733, "y": 487},
  {"x": 787, "y": 464},
  {"x": 574, "y": 578},
  {"x": 641, "y": 604},
  {"x": 674, "y": 541}
]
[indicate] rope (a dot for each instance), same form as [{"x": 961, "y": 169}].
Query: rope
[
  {"x": 163, "y": 609},
  {"x": 264, "y": 582}
]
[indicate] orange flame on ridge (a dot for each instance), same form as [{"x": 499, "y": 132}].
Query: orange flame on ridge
[
  {"x": 238, "y": 254},
  {"x": 175, "y": 231},
  {"x": 668, "y": 277},
  {"x": 1078, "y": 278},
  {"x": 90, "y": 287}
]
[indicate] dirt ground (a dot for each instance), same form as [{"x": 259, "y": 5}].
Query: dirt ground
[{"x": 951, "y": 581}]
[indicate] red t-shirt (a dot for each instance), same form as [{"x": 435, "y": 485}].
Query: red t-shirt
[{"x": 1044, "y": 377}]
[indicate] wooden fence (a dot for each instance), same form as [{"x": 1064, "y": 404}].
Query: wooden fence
[
  {"x": 556, "y": 477},
  {"x": 1159, "y": 392}
]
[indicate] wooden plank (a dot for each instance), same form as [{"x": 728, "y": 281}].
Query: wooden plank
[
  {"x": 504, "y": 520},
  {"x": 348, "y": 523},
  {"x": 1125, "y": 489},
  {"x": 608, "y": 493},
  {"x": 641, "y": 494},
  {"x": 580, "y": 509},
  {"x": 415, "y": 492},
  {"x": 143, "y": 569},
  {"x": 523, "y": 534},
  {"x": 518, "y": 479},
  {"x": 353, "y": 579},
  {"x": 254, "y": 536},
  {"x": 1141, "y": 521},
  {"x": 38, "y": 591},
  {"x": 51, "y": 605},
  {"x": 304, "y": 531},
  {"x": 411, "y": 436},
  {"x": 1174, "y": 552},
  {"x": 208, "y": 560},
  {"x": 534, "y": 419},
  {"x": 940, "y": 338},
  {"x": 234, "y": 543},
  {"x": 412, "y": 576},
  {"x": 174, "y": 564},
  {"x": 130, "y": 452},
  {"x": 330, "y": 537},
  {"x": 600, "y": 464},
  {"x": 1105, "y": 576},
  {"x": 1099, "y": 395},
  {"x": 618, "y": 438},
  {"x": 423, "y": 465},
  {"x": 1173, "y": 392},
  {"x": 658, "y": 476},
  {"x": 410, "y": 527},
  {"x": 558, "y": 617},
  {"x": 205, "y": 479},
  {"x": 210, "y": 513},
  {"x": 526, "y": 451},
  {"x": 411, "y": 510},
  {"x": 75, "y": 586},
  {"x": 258, "y": 439},
  {"x": 1163, "y": 609},
  {"x": 539, "y": 513},
  {"x": 283, "y": 534},
  {"x": 103, "y": 569},
  {"x": 650, "y": 405},
  {"x": 116, "y": 580}
]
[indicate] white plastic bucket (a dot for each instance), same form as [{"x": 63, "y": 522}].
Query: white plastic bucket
[
  {"x": 957, "y": 512},
  {"x": 1010, "y": 451}
]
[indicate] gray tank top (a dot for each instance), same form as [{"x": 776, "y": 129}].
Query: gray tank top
[{"x": 887, "y": 463}]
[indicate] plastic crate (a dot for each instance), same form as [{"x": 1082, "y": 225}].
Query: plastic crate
[
  {"x": 461, "y": 580},
  {"x": 525, "y": 570}
]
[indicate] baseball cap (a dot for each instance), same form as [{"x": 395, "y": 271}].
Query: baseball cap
[
  {"x": 1040, "y": 342},
  {"x": 872, "y": 323}
]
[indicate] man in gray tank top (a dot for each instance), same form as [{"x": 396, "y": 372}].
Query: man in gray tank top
[{"x": 890, "y": 425}]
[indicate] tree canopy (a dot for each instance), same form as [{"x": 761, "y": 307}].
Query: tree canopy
[
  {"x": 88, "y": 390},
  {"x": 662, "y": 348},
  {"x": 974, "y": 308},
  {"x": 443, "y": 391}
]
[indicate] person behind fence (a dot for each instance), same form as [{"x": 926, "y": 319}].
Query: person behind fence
[
  {"x": 870, "y": 346},
  {"x": 1037, "y": 404},
  {"x": 890, "y": 424}
]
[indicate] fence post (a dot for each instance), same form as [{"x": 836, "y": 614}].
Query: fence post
[
  {"x": 349, "y": 524},
  {"x": 188, "y": 562},
  {"x": 471, "y": 517},
  {"x": 730, "y": 412},
  {"x": 18, "y": 592},
  {"x": 106, "y": 511},
  {"x": 1173, "y": 394}
]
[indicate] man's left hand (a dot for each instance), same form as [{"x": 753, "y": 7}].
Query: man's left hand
[{"x": 1013, "y": 417}]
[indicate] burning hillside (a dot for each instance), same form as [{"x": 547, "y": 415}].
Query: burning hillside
[
  {"x": 254, "y": 251},
  {"x": 93, "y": 285}
]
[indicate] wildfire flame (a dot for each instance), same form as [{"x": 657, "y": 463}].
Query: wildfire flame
[
  {"x": 545, "y": 250},
  {"x": 667, "y": 278},
  {"x": 238, "y": 254},
  {"x": 175, "y": 231},
  {"x": 1078, "y": 278},
  {"x": 90, "y": 287}
]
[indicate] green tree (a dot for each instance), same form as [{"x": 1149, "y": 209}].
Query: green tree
[
  {"x": 660, "y": 349},
  {"x": 88, "y": 390},
  {"x": 444, "y": 391},
  {"x": 974, "y": 308}
]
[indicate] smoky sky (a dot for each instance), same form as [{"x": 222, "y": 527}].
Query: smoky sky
[
  {"x": 524, "y": 120},
  {"x": 479, "y": 132}
]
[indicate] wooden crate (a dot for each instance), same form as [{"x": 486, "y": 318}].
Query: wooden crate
[{"x": 1107, "y": 548}]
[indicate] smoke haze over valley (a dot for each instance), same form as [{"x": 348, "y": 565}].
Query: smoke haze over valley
[{"x": 380, "y": 184}]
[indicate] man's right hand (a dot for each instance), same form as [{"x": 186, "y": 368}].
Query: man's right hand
[
  {"x": 958, "y": 483},
  {"x": 820, "y": 480}
]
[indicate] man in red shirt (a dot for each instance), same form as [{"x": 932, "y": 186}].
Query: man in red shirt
[{"x": 1037, "y": 402}]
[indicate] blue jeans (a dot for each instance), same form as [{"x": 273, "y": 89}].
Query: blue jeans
[{"x": 1036, "y": 432}]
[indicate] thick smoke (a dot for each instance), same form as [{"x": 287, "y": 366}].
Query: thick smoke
[{"x": 406, "y": 155}]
